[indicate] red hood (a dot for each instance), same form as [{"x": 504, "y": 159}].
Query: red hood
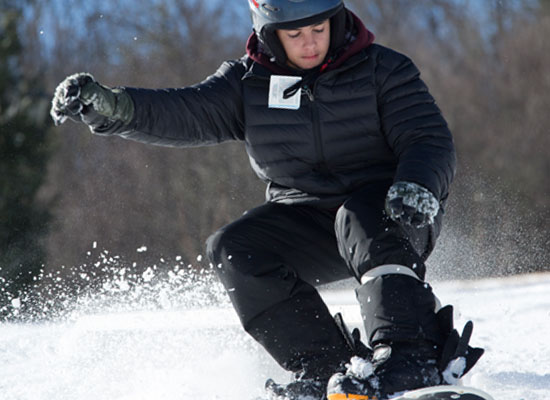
[{"x": 364, "y": 38}]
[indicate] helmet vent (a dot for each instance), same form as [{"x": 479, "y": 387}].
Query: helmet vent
[{"x": 270, "y": 8}]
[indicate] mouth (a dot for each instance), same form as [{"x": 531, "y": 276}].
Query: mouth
[{"x": 313, "y": 57}]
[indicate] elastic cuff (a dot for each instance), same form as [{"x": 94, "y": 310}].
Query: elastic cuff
[
  {"x": 395, "y": 269},
  {"x": 388, "y": 269}
]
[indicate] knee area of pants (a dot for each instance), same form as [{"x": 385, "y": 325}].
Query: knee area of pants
[
  {"x": 223, "y": 253},
  {"x": 343, "y": 213},
  {"x": 343, "y": 219},
  {"x": 215, "y": 245}
]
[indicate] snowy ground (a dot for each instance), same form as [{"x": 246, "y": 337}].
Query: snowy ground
[{"x": 201, "y": 353}]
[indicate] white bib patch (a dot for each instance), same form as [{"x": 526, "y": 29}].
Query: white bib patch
[{"x": 277, "y": 86}]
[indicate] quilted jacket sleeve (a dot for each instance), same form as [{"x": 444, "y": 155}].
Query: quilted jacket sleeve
[
  {"x": 209, "y": 112},
  {"x": 414, "y": 127}
]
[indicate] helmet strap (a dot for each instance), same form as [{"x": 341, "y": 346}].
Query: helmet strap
[
  {"x": 340, "y": 24},
  {"x": 274, "y": 46}
]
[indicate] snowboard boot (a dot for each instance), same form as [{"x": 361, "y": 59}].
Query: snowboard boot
[
  {"x": 393, "y": 368},
  {"x": 310, "y": 383}
]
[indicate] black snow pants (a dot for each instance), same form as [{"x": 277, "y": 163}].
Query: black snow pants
[{"x": 271, "y": 259}]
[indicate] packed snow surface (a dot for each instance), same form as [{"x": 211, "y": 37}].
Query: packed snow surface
[{"x": 180, "y": 351}]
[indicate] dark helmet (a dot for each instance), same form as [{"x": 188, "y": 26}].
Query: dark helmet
[{"x": 269, "y": 15}]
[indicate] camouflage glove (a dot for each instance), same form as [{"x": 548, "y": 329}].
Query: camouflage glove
[
  {"x": 410, "y": 204},
  {"x": 81, "y": 98}
]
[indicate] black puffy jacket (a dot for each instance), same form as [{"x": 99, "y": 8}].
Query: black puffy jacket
[{"x": 370, "y": 120}]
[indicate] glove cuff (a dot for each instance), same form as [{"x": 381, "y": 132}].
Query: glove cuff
[
  {"x": 115, "y": 104},
  {"x": 124, "y": 108}
]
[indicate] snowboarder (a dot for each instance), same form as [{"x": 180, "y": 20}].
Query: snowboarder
[{"x": 358, "y": 161}]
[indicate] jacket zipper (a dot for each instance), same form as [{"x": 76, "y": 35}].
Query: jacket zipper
[{"x": 321, "y": 164}]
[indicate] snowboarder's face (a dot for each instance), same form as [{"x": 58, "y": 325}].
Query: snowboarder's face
[{"x": 306, "y": 47}]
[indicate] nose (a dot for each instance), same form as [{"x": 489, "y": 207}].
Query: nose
[{"x": 309, "y": 41}]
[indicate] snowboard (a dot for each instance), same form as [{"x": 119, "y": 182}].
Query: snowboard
[{"x": 445, "y": 392}]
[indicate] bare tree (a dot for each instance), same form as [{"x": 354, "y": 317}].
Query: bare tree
[
  {"x": 124, "y": 195},
  {"x": 485, "y": 64}
]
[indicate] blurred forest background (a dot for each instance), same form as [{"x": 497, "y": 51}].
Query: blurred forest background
[{"x": 66, "y": 195}]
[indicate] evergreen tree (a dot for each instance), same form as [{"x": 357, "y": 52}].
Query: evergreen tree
[{"x": 23, "y": 158}]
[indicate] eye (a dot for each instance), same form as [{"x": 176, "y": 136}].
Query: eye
[
  {"x": 321, "y": 30},
  {"x": 294, "y": 35}
]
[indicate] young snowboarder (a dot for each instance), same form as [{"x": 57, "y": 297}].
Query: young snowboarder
[{"x": 358, "y": 161}]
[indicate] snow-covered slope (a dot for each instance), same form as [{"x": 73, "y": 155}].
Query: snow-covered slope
[{"x": 201, "y": 353}]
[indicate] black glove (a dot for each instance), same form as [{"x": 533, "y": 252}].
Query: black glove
[
  {"x": 81, "y": 98},
  {"x": 410, "y": 204}
]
